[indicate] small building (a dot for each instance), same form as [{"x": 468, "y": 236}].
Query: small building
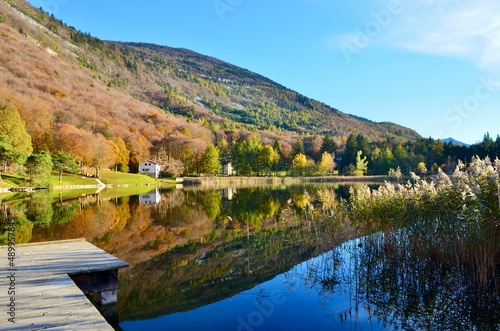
[
  {"x": 150, "y": 168},
  {"x": 227, "y": 169}
]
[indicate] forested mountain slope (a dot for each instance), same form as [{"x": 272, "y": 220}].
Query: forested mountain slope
[{"x": 110, "y": 103}]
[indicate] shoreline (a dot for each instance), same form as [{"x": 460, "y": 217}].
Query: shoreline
[
  {"x": 235, "y": 181},
  {"x": 225, "y": 182}
]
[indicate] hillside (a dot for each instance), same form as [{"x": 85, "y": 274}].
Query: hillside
[{"x": 118, "y": 103}]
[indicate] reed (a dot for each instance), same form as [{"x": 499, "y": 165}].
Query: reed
[{"x": 453, "y": 217}]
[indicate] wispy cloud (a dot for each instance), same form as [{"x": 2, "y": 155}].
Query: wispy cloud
[
  {"x": 465, "y": 29},
  {"x": 458, "y": 28}
]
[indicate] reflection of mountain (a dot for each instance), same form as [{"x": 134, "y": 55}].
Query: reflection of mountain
[
  {"x": 194, "y": 275},
  {"x": 192, "y": 248}
]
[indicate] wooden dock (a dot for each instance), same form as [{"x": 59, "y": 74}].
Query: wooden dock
[{"x": 45, "y": 286}]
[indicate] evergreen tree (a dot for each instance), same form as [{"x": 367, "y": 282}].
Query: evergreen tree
[
  {"x": 298, "y": 148},
  {"x": 39, "y": 167},
  {"x": 8, "y": 154},
  {"x": 328, "y": 145},
  {"x": 62, "y": 161}
]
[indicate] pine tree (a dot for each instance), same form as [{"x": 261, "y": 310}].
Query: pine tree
[
  {"x": 8, "y": 154},
  {"x": 328, "y": 145},
  {"x": 39, "y": 168},
  {"x": 62, "y": 161}
]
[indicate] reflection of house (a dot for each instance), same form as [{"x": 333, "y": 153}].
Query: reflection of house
[
  {"x": 228, "y": 193},
  {"x": 150, "y": 168},
  {"x": 150, "y": 198},
  {"x": 227, "y": 169}
]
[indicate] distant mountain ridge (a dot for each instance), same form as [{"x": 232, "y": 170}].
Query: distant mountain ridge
[{"x": 454, "y": 142}]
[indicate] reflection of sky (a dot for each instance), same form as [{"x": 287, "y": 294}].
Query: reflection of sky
[{"x": 291, "y": 301}]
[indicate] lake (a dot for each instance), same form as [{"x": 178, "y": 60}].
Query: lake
[{"x": 258, "y": 259}]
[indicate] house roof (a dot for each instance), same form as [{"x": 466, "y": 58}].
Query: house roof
[{"x": 151, "y": 161}]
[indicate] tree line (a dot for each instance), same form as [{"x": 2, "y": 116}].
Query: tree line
[{"x": 185, "y": 153}]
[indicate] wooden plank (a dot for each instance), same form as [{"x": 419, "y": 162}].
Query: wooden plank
[
  {"x": 68, "y": 256},
  {"x": 45, "y": 295},
  {"x": 51, "y": 303}
]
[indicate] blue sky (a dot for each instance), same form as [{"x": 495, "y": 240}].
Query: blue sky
[{"x": 433, "y": 66}]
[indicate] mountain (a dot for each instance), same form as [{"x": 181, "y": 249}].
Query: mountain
[
  {"x": 97, "y": 98},
  {"x": 454, "y": 142}
]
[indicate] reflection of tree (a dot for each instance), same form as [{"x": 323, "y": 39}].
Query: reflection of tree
[
  {"x": 66, "y": 211},
  {"x": 40, "y": 209},
  {"x": 23, "y": 228},
  {"x": 211, "y": 201},
  {"x": 180, "y": 209},
  {"x": 252, "y": 206}
]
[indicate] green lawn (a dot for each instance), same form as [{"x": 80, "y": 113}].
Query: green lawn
[
  {"x": 71, "y": 179},
  {"x": 120, "y": 178},
  {"x": 106, "y": 176}
]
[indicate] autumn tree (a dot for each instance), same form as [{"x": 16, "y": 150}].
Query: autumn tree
[
  {"x": 266, "y": 158},
  {"x": 361, "y": 166},
  {"x": 104, "y": 154},
  {"x": 77, "y": 142},
  {"x": 299, "y": 163},
  {"x": 210, "y": 163},
  {"x": 245, "y": 155},
  {"x": 13, "y": 126},
  {"x": 139, "y": 151},
  {"x": 122, "y": 154},
  {"x": 224, "y": 151},
  {"x": 421, "y": 169},
  {"x": 327, "y": 164}
]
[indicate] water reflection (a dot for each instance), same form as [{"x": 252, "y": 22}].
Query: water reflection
[
  {"x": 259, "y": 259},
  {"x": 150, "y": 198}
]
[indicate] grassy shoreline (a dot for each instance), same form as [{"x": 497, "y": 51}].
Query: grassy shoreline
[
  {"x": 118, "y": 179},
  {"x": 235, "y": 181}
]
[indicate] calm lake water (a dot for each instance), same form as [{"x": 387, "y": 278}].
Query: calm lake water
[{"x": 256, "y": 259}]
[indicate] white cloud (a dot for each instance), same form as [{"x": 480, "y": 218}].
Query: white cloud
[
  {"x": 464, "y": 29},
  {"x": 460, "y": 28}
]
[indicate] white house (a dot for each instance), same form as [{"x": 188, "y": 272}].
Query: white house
[
  {"x": 227, "y": 169},
  {"x": 150, "y": 168}
]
